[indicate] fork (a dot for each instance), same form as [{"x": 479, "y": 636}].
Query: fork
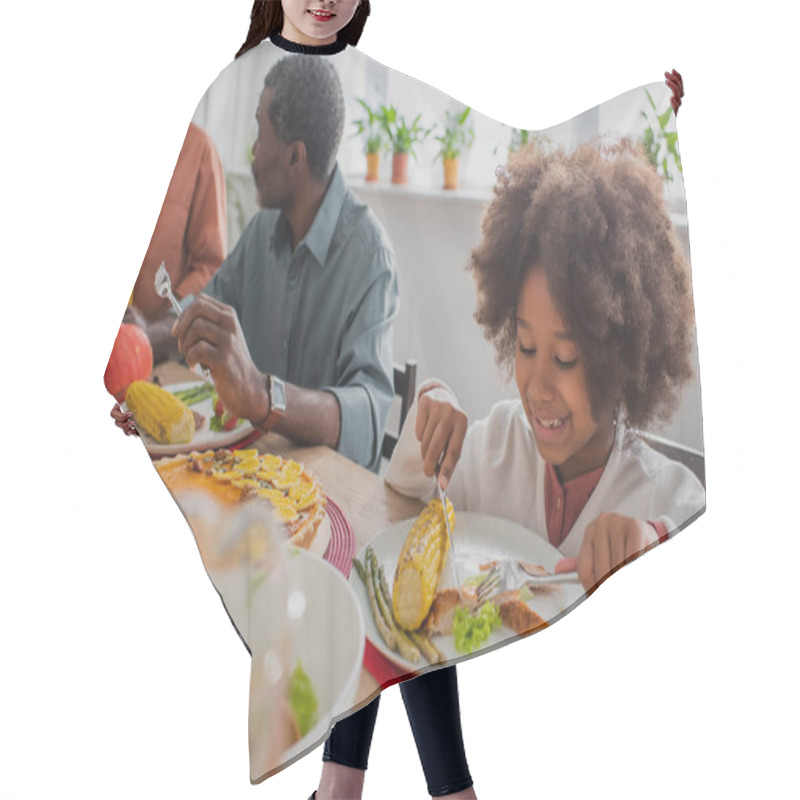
[
  {"x": 163, "y": 287},
  {"x": 510, "y": 575},
  {"x": 443, "y": 500}
]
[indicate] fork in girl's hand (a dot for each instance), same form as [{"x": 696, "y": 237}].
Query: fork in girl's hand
[{"x": 509, "y": 575}]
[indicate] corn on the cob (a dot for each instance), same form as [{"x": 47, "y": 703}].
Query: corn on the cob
[
  {"x": 160, "y": 414},
  {"x": 420, "y": 565}
]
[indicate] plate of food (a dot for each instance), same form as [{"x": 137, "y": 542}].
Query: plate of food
[
  {"x": 182, "y": 417},
  {"x": 330, "y": 617},
  {"x": 306, "y": 662},
  {"x": 300, "y": 620},
  {"x": 413, "y": 610},
  {"x": 285, "y": 487}
]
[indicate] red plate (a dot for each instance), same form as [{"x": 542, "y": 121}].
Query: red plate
[{"x": 342, "y": 546}]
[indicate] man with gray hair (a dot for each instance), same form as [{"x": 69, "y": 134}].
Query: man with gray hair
[{"x": 296, "y": 325}]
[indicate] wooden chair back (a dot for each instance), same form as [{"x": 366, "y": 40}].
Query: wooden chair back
[
  {"x": 405, "y": 387},
  {"x": 695, "y": 461}
]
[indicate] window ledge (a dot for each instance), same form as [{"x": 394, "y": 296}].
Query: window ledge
[{"x": 466, "y": 194}]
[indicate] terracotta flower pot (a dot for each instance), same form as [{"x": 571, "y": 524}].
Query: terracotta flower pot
[
  {"x": 400, "y": 168},
  {"x": 450, "y": 173},
  {"x": 373, "y": 162}
]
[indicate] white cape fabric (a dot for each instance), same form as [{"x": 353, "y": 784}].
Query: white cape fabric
[{"x": 306, "y": 618}]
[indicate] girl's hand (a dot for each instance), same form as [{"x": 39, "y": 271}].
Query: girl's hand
[
  {"x": 441, "y": 428},
  {"x": 609, "y": 542},
  {"x": 675, "y": 82},
  {"x": 124, "y": 420}
]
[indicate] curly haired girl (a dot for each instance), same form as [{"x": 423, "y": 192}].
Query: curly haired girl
[{"x": 584, "y": 292}]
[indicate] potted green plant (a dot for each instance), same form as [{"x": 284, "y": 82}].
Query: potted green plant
[
  {"x": 519, "y": 138},
  {"x": 457, "y": 135},
  {"x": 370, "y": 128},
  {"x": 660, "y": 145},
  {"x": 402, "y": 138}
]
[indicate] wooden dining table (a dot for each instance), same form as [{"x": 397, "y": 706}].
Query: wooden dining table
[{"x": 368, "y": 503}]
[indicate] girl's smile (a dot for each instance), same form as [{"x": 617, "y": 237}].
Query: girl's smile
[
  {"x": 316, "y": 22},
  {"x": 551, "y": 379},
  {"x": 322, "y": 16},
  {"x": 550, "y": 430}
]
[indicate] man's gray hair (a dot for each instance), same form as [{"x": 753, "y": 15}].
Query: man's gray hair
[{"x": 308, "y": 106}]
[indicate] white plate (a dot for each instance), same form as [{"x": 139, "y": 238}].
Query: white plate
[
  {"x": 323, "y": 630},
  {"x": 204, "y": 438},
  {"x": 329, "y": 642},
  {"x": 478, "y": 538}
]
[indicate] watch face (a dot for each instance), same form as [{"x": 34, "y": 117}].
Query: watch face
[{"x": 278, "y": 395}]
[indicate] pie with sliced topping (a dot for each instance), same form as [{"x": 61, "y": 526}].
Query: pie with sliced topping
[{"x": 295, "y": 496}]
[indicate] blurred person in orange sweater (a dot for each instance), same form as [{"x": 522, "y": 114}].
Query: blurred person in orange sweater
[{"x": 190, "y": 234}]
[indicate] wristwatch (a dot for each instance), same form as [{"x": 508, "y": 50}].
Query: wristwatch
[{"x": 276, "y": 389}]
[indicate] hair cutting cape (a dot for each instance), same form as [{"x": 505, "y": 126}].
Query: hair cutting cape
[{"x": 332, "y": 587}]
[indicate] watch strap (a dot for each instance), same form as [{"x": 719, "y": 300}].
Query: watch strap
[{"x": 276, "y": 409}]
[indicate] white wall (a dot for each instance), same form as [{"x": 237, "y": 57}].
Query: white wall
[
  {"x": 432, "y": 231},
  {"x": 436, "y": 325}
]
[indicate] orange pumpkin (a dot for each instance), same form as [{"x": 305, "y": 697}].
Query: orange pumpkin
[{"x": 131, "y": 360}]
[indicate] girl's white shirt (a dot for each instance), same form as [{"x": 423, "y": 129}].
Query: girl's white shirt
[{"x": 501, "y": 473}]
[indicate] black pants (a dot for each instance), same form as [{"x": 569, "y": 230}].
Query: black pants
[{"x": 433, "y": 711}]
